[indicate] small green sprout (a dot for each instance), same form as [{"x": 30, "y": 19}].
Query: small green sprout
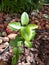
[{"x": 26, "y": 34}]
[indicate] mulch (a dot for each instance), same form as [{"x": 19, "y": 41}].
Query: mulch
[{"x": 39, "y": 54}]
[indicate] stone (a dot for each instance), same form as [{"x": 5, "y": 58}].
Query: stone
[
  {"x": 6, "y": 43},
  {"x": 12, "y": 36},
  {"x": 5, "y": 39},
  {"x": 0, "y": 41},
  {"x": 4, "y": 34}
]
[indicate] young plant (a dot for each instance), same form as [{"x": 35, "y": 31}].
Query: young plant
[{"x": 26, "y": 34}]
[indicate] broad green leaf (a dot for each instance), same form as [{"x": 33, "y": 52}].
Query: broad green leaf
[
  {"x": 27, "y": 33},
  {"x": 24, "y": 18},
  {"x": 28, "y": 44},
  {"x": 14, "y": 25},
  {"x": 33, "y": 26}
]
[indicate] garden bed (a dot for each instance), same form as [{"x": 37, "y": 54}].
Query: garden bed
[{"x": 39, "y": 54}]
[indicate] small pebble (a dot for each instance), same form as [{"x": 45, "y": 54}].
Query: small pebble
[
  {"x": 19, "y": 63},
  {"x": 12, "y": 36},
  {"x": 0, "y": 41},
  {"x": 6, "y": 43},
  {"x": 26, "y": 63},
  {"x": 13, "y": 20},
  {"x": 4, "y": 34},
  {"x": 5, "y": 39},
  {"x": 33, "y": 49},
  {"x": 28, "y": 58}
]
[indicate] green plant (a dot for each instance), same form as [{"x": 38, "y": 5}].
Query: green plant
[
  {"x": 19, "y": 5},
  {"x": 26, "y": 34}
]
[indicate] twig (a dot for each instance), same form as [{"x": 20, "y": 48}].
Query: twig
[{"x": 4, "y": 50}]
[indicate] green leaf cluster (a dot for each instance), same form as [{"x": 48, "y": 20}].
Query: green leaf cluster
[{"x": 26, "y": 34}]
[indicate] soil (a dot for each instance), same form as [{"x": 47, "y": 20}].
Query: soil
[
  {"x": 39, "y": 54},
  {"x": 39, "y": 19},
  {"x": 42, "y": 43}
]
